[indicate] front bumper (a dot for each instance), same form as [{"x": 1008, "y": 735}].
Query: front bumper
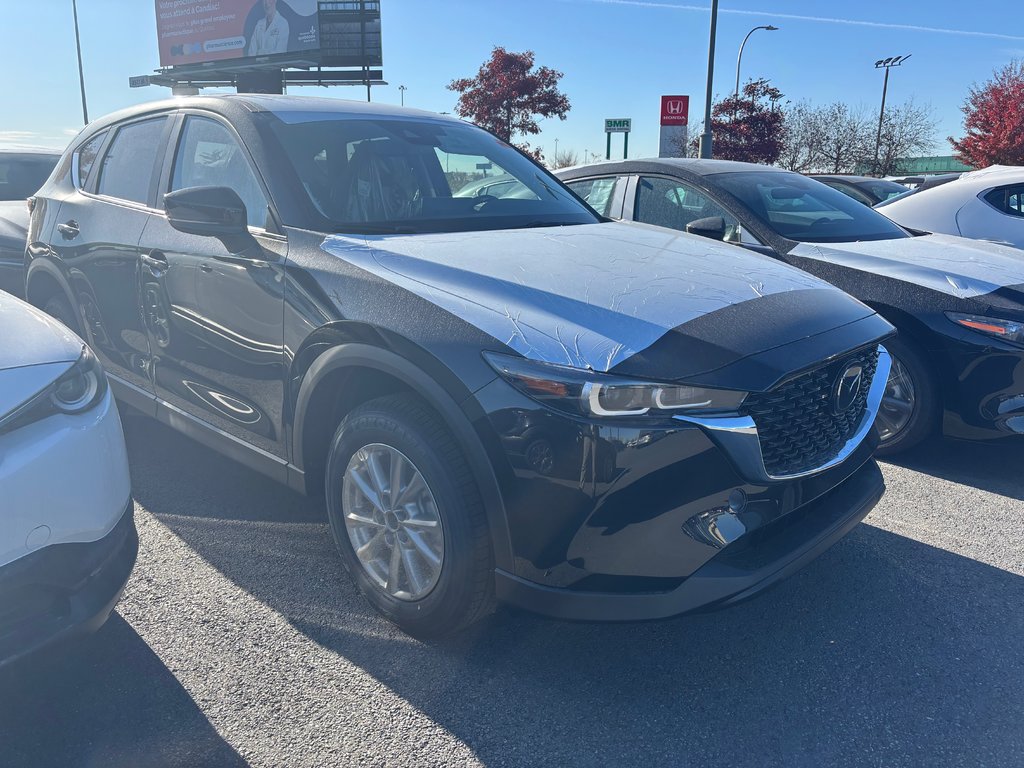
[
  {"x": 64, "y": 590},
  {"x": 742, "y": 569}
]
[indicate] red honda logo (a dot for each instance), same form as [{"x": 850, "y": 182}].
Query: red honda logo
[{"x": 675, "y": 110}]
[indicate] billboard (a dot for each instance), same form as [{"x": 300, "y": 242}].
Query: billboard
[
  {"x": 196, "y": 31},
  {"x": 675, "y": 118}
]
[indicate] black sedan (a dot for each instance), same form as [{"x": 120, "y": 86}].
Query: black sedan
[
  {"x": 502, "y": 397},
  {"x": 958, "y": 364},
  {"x": 864, "y": 189}
]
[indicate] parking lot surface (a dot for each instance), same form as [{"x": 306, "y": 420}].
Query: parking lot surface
[{"x": 240, "y": 641}]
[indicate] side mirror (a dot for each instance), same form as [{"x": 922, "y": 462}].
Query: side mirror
[
  {"x": 211, "y": 211},
  {"x": 712, "y": 227}
]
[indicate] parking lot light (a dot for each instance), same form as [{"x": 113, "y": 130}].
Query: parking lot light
[{"x": 739, "y": 58}]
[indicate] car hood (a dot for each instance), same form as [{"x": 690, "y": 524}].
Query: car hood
[
  {"x": 604, "y": 296},
  {"x": 948, "y": 264},
  {"x": 31, "y": 337}
]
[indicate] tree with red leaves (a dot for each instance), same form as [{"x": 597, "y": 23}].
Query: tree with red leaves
[
  {"x": 508, "y": 94},
  {"x": 994, "y": 120},
  {"x": 749, "y": 128}
]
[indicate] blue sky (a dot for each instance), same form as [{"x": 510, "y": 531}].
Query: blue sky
[{"x": 618, "y": 57}]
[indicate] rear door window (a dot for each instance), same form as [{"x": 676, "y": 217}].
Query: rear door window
[{"x": 127, "y": 169}]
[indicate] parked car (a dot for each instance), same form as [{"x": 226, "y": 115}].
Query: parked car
[
  {"x": 22, "y": 172},
  {"x": 863, "y": 189},
  {"x": 67, "y": 535},
  {"x": 958, "y": 304},
  {"x": 987, "y": 205},
  {"x": 501, "y": 398}
]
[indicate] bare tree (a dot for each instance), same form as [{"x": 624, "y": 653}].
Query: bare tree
[
  {"x": 801, "y": 141},
  {"x": 564, "y": 158},
  {"x": 845, "y": 138},
  {"x": 907, "y": 130}
]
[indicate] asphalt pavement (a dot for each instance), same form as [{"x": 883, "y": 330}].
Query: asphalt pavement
[{"x": 240, "y": 641}]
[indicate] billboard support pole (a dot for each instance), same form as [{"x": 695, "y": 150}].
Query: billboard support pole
[
  {"x": 608, "y": 147},
  {"x": 81, "y": 74},
  {"x": 625, "y": 146}
]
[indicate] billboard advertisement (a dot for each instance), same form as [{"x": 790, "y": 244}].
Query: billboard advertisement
[{"x": 195, "y": 31}]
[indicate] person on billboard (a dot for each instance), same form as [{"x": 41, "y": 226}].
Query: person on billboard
[{"x": 271, "y": 33}]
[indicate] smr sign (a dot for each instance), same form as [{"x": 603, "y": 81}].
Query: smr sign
[{"x": 619, "y": 125}]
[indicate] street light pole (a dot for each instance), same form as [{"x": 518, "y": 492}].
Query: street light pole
[
  {"x": 81, "y": 74},
  {"x": 556, "y": 151},
  {"x": 705, "y": 137},
  {"x": 739, "y": 58},
  {"x": 402, "y": 89},
  {"x": 886, "y": 64}
]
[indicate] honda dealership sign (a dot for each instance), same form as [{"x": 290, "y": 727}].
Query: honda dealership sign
[{"x": 675, "y": 117}]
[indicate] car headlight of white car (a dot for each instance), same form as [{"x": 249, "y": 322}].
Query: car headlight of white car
[{"x": 78, "y": 389}]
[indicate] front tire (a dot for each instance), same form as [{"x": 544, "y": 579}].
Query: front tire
[
  {"x": 407, "y": 518},
  {"x": 910, "y": 406}
]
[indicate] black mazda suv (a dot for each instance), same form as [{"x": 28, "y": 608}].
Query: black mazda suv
[{"x": 502, "y": 397}]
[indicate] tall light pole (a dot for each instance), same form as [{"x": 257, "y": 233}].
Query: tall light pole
[
  {"x": 556, "y": 151},
  {"x": 739, "y": 58},
  {"x": 402, "y": 89},
  {"x": 81, "y": 74},
  {"x": 705, "y": 137},
  {"x": 886, "y": 64}
]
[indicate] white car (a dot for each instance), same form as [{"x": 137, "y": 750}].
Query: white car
[
  {"x": 67, "y": 532},
  {"x": 984, "y": 205}
]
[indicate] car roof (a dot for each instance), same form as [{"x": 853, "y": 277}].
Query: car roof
[
  {"x": 14, "y": 149},
  {"x": 237, "y": 105},
  {"x": 692, "y": 165}
]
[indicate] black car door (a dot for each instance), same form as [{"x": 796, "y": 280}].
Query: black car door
[
  {"x": 216, "y": 333},
  {"x": 97, "y": 238}
]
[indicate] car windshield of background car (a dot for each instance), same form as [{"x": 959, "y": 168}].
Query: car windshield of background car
[
  {"x": 806, "y": 210},
  {"x": 410, "y": 176}
]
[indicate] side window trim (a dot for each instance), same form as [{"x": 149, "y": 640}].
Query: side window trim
[{"x": 155, "y": 171}]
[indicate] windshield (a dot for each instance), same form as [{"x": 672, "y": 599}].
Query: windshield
[
  {"x": 806, "y": 210},
  {"x": 409, "y": 176},
  {"x": 23, "y": 173}
]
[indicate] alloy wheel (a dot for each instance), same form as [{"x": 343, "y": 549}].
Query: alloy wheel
[
  {"x": 898, "y": 402},
  {"x": 392, "y": 521}
]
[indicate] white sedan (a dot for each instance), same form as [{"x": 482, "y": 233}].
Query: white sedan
[
  {"x": 984, "y": 205},
  {"x": 67, "y": 533}
]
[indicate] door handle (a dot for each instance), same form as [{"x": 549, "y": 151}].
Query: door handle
[
  {"x": 69, "y": 230},
  {"x": 156, "y": 263}
]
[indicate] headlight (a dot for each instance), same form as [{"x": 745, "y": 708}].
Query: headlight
[
  {"x": 599, "y": 394},
  {"x": 80, "y": 388},
  {"x": 1010, "y": 330}
]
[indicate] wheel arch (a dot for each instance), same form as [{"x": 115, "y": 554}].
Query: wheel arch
[{"x": 351, "y": 369}]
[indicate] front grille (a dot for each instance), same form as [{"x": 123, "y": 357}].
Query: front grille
[{"x": 796, "y": 423}]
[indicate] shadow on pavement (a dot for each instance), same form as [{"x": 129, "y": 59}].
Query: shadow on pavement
[
  {"x": 106, "y": 701},
  {"x": 885, "y": 651},
  {"x": 988, "y": 466}
]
